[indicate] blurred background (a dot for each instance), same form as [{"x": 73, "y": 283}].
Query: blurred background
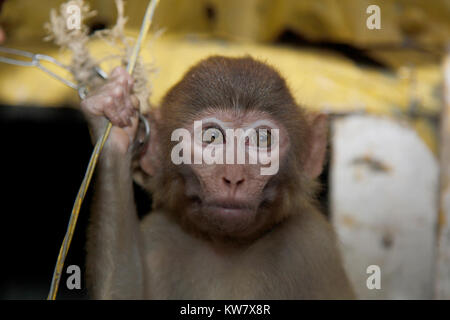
[{"x": 386, "y": 91}]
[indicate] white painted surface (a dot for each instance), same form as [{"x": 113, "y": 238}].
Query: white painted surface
[
  {"x": 384, "y": 204},
  {"x": 443, "y": 260}
]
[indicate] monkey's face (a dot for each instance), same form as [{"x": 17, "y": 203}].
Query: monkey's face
[
  {"x": 234, "y": 157},
  {"x": 231, "y": 153}
]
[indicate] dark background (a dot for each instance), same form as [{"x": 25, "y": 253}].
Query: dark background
[{"x": 45, "y": 152}]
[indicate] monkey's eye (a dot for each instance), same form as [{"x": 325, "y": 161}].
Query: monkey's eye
[
  {"x": 264, "y": 138},
  {"x": 212, "y": 135}
]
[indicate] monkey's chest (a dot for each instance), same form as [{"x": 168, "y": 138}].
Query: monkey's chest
[
  {"x": 180, "y": 266},
  {"x": 197, "y": 274}
]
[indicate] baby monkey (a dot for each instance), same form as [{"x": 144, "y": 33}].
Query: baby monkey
[{"x": 219, "y": 229}]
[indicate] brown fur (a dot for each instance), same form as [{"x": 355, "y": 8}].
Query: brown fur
[{"x": 289, "y": 251}]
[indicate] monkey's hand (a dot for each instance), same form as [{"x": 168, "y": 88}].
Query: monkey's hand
[{"x": 113, "y": 101}]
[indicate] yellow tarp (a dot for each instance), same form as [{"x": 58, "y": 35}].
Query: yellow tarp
[
  {"x": 318, "y": 79},
  {"x": 424, "y": 22}
]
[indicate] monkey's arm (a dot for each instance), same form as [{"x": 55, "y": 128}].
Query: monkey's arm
[{"x": 114, "y": 260}]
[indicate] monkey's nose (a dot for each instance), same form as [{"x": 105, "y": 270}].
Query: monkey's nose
[
  {"x": 233, "y": 181},
  {"x": 232, "y": 178}
]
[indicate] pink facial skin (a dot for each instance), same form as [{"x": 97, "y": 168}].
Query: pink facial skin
[{"x": 231, "y": 194}]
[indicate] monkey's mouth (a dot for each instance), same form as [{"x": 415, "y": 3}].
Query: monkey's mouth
[{"x": 229, "y": 208}]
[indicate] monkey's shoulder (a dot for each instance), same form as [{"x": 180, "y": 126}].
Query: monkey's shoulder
[
  {"x": 318, "y": 250},
  {"x": 308, "y": 227}
]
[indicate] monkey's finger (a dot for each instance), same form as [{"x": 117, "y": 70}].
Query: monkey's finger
[
  {"x": 118, "y": 93},
  {"x": 94, "y": 106},
  {"x": 124, "y": 109},
  {"x": 123, "y": 78},
  {"x": 131, "y": 130},
  {"x": 129, "y": 108},
  {"x": 126, "y": 115},
  {"x": 135, "y": 102},
  {"x": 113, "y": 116},
  {"x": 108, "y": 86},
  {"x": 117, "y": 71},
  {"x": 129, "y": 104},
  {"x": 130, "y": 82}
]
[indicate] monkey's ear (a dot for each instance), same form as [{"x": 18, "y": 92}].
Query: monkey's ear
[
  {"x": 146, "y": 164},
  {"x": 318, "y": 123}
]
